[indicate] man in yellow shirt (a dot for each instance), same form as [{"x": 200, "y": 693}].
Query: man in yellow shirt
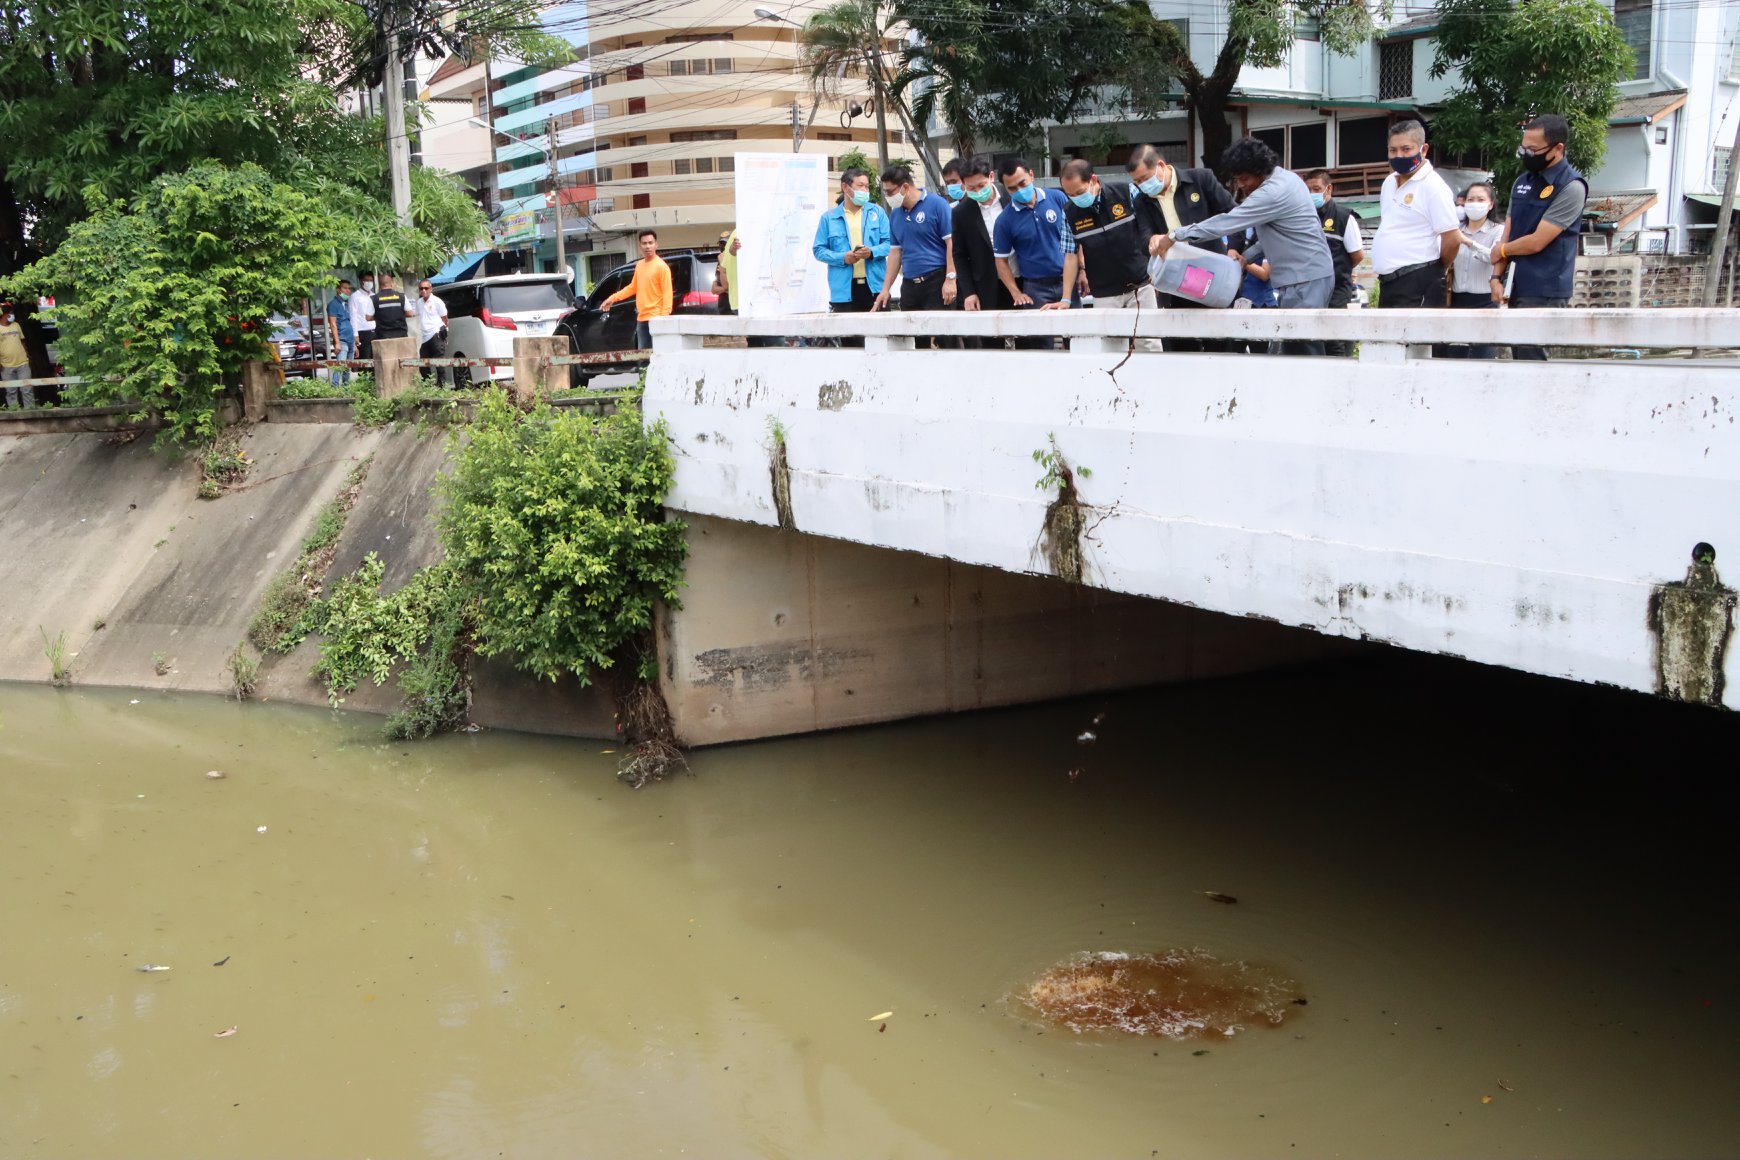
[
  {"x": 14, "y": 362},
  {"x": 650, "y": 289}
]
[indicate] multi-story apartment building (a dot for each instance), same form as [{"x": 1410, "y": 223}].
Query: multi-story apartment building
[{"x": 647, "y": 120}]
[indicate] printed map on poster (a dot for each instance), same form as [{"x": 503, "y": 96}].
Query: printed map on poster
[{"x": 780, "y": 198}]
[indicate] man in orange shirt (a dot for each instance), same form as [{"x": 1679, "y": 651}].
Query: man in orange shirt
[{"x": 650, "y": 289}]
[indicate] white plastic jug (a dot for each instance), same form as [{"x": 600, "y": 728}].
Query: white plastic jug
[{"x": 1198, "y": 275}]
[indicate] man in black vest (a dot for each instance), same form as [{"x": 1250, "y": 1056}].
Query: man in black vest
[
  {"x": 1109, "y": 243},
  {"x": 1167, "y": 198},
  {"x": 391, "y": 317},
  {"x": 1546, "y": 215},
  {"x": 1346, "y": 246},
  {"x": 975, "y": 261}
]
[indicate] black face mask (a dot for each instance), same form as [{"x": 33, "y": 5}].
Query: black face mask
[{"x": 1534, "y": 162}]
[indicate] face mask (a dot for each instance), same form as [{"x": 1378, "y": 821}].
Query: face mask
[
  {"x": 1477, "y": 210},
  {"x": 1082, "y": 200},
  {"x": 1024, "y": 195},
  {"x": 980, "y": 195},
  {"x": 954, "y": 189},
  {"x": 1533, "y": 162},
  {"x": 860, "y": 197},
  {"x": 1406, "y": 165},
  {"x": 1153, "y": 187},
  {"x": 368, "y": 287},
  {"x": 1317, "y": 200}
]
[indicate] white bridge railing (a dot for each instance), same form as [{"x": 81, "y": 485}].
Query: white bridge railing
[{"x": 1382, "y": 335}]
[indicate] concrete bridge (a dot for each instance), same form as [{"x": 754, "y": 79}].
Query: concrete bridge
[{"x": 883, "y": 532}]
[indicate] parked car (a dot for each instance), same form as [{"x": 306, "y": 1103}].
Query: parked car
[
  {"x": 485, "y": 315},
  {"x": 591, "y": 329},
  {"x": 295, "y": 350}
]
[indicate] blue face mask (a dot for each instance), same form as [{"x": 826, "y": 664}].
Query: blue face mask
[
  {"x": 1024, "y": 195},
  {"x": 860, "y": 197},
  {"x": 954, "y": 189},
  {"x": 1082, "y": 200},
  {"x": 1317, "y": 200},
  {"x": 1153, "y": 187}
]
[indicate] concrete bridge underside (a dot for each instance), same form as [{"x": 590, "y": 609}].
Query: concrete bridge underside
[{"x": 869, "y": 542}]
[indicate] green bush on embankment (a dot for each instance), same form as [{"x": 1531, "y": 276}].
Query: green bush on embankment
[{"x": 557, "y": 550}]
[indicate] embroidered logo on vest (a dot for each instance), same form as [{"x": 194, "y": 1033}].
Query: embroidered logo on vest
[
  {"x": 1546, "y": 192},
  {"x": 1195, "y": 197},
  {"x": 1118, "y": 210}
]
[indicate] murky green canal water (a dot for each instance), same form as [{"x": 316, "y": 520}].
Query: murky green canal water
[{"x": 1510, "y": 904}]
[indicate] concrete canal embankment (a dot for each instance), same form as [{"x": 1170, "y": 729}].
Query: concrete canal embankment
[{"x": 109, "y": 543}]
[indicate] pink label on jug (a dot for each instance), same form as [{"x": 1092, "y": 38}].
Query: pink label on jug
[{"x": 1195, "y": 282}]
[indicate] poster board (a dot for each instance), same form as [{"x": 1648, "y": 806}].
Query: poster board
[{"x": 780, "y": 199}]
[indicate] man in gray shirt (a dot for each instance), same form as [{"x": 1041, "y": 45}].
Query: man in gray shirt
[{"x": 1279, "y": 206}]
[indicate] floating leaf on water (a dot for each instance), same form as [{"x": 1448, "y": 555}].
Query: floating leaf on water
[
  {"x": 1175, "y": 994},
  {"x": 221, "y": 961},
  {"x": 880, "y": 1018},
  {"x": 148, "y": 967},
  {"x": 225, "y": 1033},
  {"x": 1486, "y": 1099},
  {"x": 1200, "y": 1051},
  {"x": 1217, "y": 896}
]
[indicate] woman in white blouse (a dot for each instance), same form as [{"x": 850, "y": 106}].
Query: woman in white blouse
[{"x": 1472, "y": 286}]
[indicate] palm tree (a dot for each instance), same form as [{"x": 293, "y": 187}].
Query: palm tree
[
  {"x": 849, "y": 35},
  {"x": 946, "y": 79}
]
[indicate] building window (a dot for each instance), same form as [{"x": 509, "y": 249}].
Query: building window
[
  {"x": 1275, "y": 139},
  {"x": 1636, "y": 19},
  {"x": 636, "y": 105},
  {"x": 606, "y": 175},
  {"x": 635, "y": 142},
  {"x": 679, "y": 68},
  {"x": 685, "y": 135},
  {"x": 703, "y": 165},
  {"x": 727, "y": 165},
  {"x": 1308, "y": 146},
  {"x": 1395, "y": 70},
  {"x": 832, "y": 135},
  {"x": 1720, "y": 158},
  {"x": 680, "y": 167},
  {"x": 642, "y": 201},
  {"x": 1307, "y": 28},
  {"x": 721, "y": 65},
  {"x": 700, "y": 38}
]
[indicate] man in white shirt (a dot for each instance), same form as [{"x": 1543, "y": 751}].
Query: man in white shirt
[
  {"x": 362, "y": 318},
  {"x": 432, "y": 327},
  {"x": 1419, "y": 235}
]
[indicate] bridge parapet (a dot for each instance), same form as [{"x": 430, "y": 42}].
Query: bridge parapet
[{"x": 1539, "y": 515}]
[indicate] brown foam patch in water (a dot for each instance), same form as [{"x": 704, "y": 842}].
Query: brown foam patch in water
[{"x": 1177, "y": 994}]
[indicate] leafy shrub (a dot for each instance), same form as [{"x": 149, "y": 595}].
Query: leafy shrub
[
  {"x": 555, "y": 522},
  {"x": 367, "y": 632}
]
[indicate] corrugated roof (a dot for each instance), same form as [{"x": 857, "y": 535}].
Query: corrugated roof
[
  {"x": 1646, "y": 109},
  {"x": 1620, "y": 208},
  {"x": 1418, "y": 26}
]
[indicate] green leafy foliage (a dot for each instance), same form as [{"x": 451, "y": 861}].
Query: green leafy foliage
[
  {"x": 1517, "y": 61},
  {"x": 163, "y": 299},
  {"x": 367, "y": 632},
  {"x": 555, "y": 521},
  {"x": 288, "y": 610}
]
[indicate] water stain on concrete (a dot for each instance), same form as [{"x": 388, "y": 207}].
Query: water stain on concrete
[
  {"x": 765, "y": 668},
  {"x": 833, "y": 396},
  {"x": 1693, "y": 623}
]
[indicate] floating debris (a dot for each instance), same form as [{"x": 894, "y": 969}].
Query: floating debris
[
  {"x": 259, "y": 829},
  {"x": 221, "y": 961},
  {"x": 225, "y": 1033},
  {"x": 1505, "y": 1086},
  {"x": 1075, "y": 774},
  {"x": 1099, "y": 719},
  {"x": 216, "y": 774},
  {"x": 1087, "y": 737},
  {"x": 880, "y": 1018},
  {"x": 1175, "y": 994},
  {"x": 147, "y": 968},
  {"x": 1217, "y": 896}
]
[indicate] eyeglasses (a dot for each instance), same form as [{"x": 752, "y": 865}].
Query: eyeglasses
[
  {"x": 1525, "y": 151},
  {"x": 425, "y": 286}
]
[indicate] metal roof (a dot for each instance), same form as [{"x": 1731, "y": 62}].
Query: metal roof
[{"x": 1646, "y": 109}]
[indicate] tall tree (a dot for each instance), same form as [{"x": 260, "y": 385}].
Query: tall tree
[
  {"x": 1065, "y": 60},
  {"x": 1515, "y": 61},
  {"x": 851, "y": 37}
]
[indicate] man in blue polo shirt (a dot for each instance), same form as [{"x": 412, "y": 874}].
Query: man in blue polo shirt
[
  {"x": 923, "y": 252},
  {"x": 1036, "y": 233}
]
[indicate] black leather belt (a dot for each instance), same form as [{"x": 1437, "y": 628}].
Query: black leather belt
[
  {"x": 921, "y": 279},
  {"x": 1406, "y": 270}
]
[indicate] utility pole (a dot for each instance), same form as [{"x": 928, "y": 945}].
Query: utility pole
[
  {"x": 398, "y": 144},
  {"x": 556, "y": 196},
  {"x": 797, "y": 126},
  {"x": 1724, "y": 217}
]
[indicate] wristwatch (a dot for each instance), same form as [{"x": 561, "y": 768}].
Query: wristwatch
[{"x": 950, "y": 275}]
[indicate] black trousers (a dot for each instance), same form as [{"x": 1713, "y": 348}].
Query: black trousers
[
  {"x": 1534, "y": 353},
  {"x": 925, "y": 293},
  {"x": 1411, "y": 289},
  {"x": 1338, "y": 301},
  {"x": 861, "y": 302},
  {"x": 365, "y": 346},
  {"x": 436, "y": 347}
]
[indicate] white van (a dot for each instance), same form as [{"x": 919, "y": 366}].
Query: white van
[{"x": 485, "y": 315}]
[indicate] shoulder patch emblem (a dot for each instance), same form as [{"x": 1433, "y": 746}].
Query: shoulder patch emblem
[
  {"x": 1546, "y": 191},
  {"x": 1194, "y": 196},
  {"x": 1118, "y": 210},
  {"x": 919, "y": 217},
  {"x": 1051, "y": 215}
]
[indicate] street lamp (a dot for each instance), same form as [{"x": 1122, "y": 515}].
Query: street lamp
[
  {"x": 797, "y": 125},
  {"x": 548, "y": 149}
]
